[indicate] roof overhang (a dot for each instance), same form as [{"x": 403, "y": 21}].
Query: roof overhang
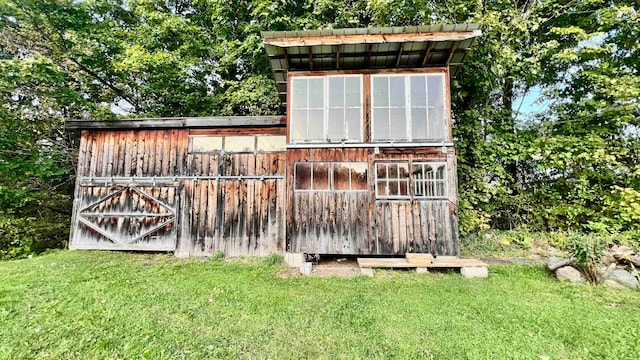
[
  {"x": 178, "y": 122},
  {"x": 368, "y": 49}
]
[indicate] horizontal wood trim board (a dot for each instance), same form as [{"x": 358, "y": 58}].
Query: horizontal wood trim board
[
  {"x": 373, "y": 38},
  {"x": 165, "y": 123}
]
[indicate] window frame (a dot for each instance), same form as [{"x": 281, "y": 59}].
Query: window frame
[
  {"x": 326, "y": 110},
  {"x": 408, "y": 106},
  {"x": 330, "y": 173},
  {"x": 411, "y": 180}
]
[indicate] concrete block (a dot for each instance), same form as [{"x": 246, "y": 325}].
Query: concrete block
[
  {"x": 305, "y": 268},
  {"x": 474, "y": 271},
  {"x": 422, "y": 270},
  {"x": 367, "y": 271},
  {"x": 294, "y": 259}
]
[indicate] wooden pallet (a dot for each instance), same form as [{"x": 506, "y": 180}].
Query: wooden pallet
[{"x": 473, "y": 267}]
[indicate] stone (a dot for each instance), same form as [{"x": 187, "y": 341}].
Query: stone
[
  {"x": 305, "y": 268},
  {"x": 474, "y": 271},
  {"x": 554, "y": 263},
  {"x": 422, "y": 270},
  {"x": 621, "y": 252},
  {"x": 570, "y": 274},
  {"x": 608, "y": 259},
  {"x": 635, "y": 259},
  {"x": 620, "y": 278},
  {"x": 367, "y": 271},
  {"x": 294, "y": 259}
]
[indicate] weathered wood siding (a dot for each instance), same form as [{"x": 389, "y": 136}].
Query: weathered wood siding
[
  {"x": 169, "y": 198},
  {"x": 355, "y": 222}
]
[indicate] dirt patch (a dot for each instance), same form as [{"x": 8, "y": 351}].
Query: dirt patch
[{"x": 326, "y": 267}]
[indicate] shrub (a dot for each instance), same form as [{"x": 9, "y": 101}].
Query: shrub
[
  {"x": 587, "y": 249},
  {"x": 20, "y": 237}
]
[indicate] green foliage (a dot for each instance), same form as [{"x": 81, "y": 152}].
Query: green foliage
[
  {"x": 272, "y": 260},
  {"x": 587, "y": 249},
  {"x": 20, "y": 236},
  {"x": 218, "y": 255}
]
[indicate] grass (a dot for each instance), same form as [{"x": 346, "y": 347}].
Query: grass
[{"x": 66, "y": 305}]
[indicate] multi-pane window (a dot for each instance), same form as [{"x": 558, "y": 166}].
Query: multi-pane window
[
  {"x": 392, "y": 180},
  {"x": 408, "y": 107},
  {"x": 335, "y": 176},
  {"x": 326, "y": 108},
  {"x": 236, "y": 144},
  {"x": 429, "y": 180},
  {"x": 425, "y": 180}
]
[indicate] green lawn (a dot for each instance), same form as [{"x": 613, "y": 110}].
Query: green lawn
[{"x": 115, "y": 305}]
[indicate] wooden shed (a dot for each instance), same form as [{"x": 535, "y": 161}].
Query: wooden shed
[{"x": 362, "y": 163}]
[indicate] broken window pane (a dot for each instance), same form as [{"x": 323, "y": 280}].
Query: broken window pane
[{"x": 359, "y": 179}]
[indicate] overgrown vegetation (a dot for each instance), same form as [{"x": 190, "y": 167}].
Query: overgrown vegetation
[
  {"x": 571, "y": 166},
  {"x": 114, "y": 305}
]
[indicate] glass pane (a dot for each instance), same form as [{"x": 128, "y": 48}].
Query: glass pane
[
  {"x": 359, "y": 179},
  {"x": 380, "y": 124},
  {"x": 272, "y": 143},
  {"x": 381, "y": 188},
  {"x": 335, "y": 125},
  {"x": 393, "y": 171},
  {"x": 403, "y": 171},
  {"x": 398, "y": 124},
  {"x": 316, "y": 128},
  {"x": 436, "y": 123},
  {"x": 298, "y": 124},
  {"x": 404, "y": 188},
  {"x": 380, "y": 91},
  {"x": 393, "y": 188},
  {"x": 419, "y": 123},
  {"x": 340, "y": 176},
  {"x": 298, "y": 93},
  {"x": 303, "y": 176},
  {"x": 435, "y": 85},
  {"x": 316, "y": 93},
  {"x": 440, "y": 172},
  {"x": 239, "y": 144},
  {"x": 396, "y": 84},
  {"x": 439, "y": 191},
  {"x": 354, "y": 119},
  {"x": 336, "y": 91},
  {"x": 418, "y": 91},
  {"x": 320, "y": 176},
  {"x": 206, "y": 143},
  {"x": 353, "y": 88},
  {"x": 381, "y": 171}
]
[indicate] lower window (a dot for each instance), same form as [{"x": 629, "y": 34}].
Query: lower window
[{"x": 405, "y": 180}]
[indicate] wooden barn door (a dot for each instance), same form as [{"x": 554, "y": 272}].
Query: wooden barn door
[{"x": 126, "y": 217}]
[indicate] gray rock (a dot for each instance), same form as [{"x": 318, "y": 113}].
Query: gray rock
[
  {"x": 620, "y": 278},
  {"x": 608, "y": 259},
  {"x": 635, "y": 259},
  {"x": 570, "y": 274},
  {"x": 621, "y": 252},
  {"x": 554, "y": 263}
]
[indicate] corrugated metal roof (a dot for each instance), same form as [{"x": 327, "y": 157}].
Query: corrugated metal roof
[{"x": 443, "y": 45}]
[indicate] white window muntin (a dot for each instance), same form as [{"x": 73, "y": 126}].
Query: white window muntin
[
  {"x": 387, "y": 180},
  {"x": 326, "y": 109},
  {"x": 407, "y": 106},
  {"x": 429, "y": 184},
  {"x": 413, "y": 182}
]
